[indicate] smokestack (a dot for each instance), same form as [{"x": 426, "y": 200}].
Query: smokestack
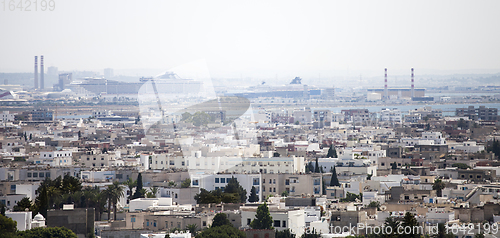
[
  {"x": 386, "y": 94},
  {"x": 36, "y": 72},
  {"x": 41, "y": 73},
  {"x": 412, "y": 86}
]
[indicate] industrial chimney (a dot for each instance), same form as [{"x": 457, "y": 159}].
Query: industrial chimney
[
  {"x": 36, "y": 72},
  {"x": 412, "y": 86},
  {"x": 41, "y": 73},
  {"x": 386, "y": 94}
]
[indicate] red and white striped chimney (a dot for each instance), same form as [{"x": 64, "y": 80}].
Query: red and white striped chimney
[
  {"x": 412, "y": 86},
  {"x": 386, "y": 94},
  {"x": 36, "y": 72},
  {"x": 41, "y": 73}
]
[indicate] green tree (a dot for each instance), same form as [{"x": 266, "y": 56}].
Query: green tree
[
  {"x": 284, "y": 234},
  {"x": 276, "y": 154},
  {"x": 316, "y": 167},
  {"x": 332, "y": 153},
  {"x": 53, "y": 232},
  {"x": 152, "y": 192},
  {"x": 233, "y": 186},
  {"x": 226, "y": 231},
  {"x": 442, "y": 232},
  {"x": 285, "y": 193},
  {"x": 310, "y": 167},
  {"x": 186, "y": 116},
  {"x": 113, "y": 192},
  {"x": 394, "y": 224},
  {"x": 394, "y": 165},
  {"x": 323, "y": 187},
  {"x": 138, "y": 189},
  {"x": 2, "y": 209},
  {"x": 351, "y": 197},
  {"x": 220, "y": 219},
  {"x": 131, "y": 184},
  {"x": 192, "y": 228},
  {"x": 374, "y": 204},
  {"x": 23, "y": 204},
  {"x": 253, "y": 195},
  {"x": 409, "y": 220},
  {"x": 263, "y": 219},
  {"x": 206, "y": 197},
  {"x": 8, "y": 227},
  {"x": 438, "y": 185},
  {"x": 186, "y": 183},
  {"x": 460, "y": 166},
  {"x": 311, "y": 234},
  {"x": 334, "y": 181}
]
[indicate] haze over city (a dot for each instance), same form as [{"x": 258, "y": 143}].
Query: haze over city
[{"x": 257, "y": 39}]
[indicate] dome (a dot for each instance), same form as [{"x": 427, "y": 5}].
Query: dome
[{"x": 39, "y": 217}]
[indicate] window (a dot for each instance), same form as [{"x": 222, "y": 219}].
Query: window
[
  {"x": 154, "y": 224},
  {"x": 204, "y": 223},
  {"x": 277, "y": 223},
  {"x": 41, "y": 175},
  {"x": 255, "y": 181},
  {"x": 223, "y": 180},
  {"x": 88, "y": 158},
  {"x": 216, "y": 180},
  {"x": 94, "y": 158},
  {"x": 166, "y": 224},
  {"x": 263, "y": 181},
  {"x": 47, "y": 174},
  {"x": 35, "y": 175},
  {"x": 147, "y": 222},
  {"x": 270, "y": 189},
  {"x": 29, "y": 175},
  {"x": 249, "y": 221},
  {"x": 195, "y": 182},
  {"x": 102, "y": 158},
  {"x": 283, "y": 224},
  {"x": 287, "y": 182},
  {"x": 274, "y": 190},
  {"x": 274, "y": 181}
]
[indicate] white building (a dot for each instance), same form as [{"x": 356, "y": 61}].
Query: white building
[
  {"x": 293, "y": 219},
  {"x": 468, "y": 147},
  {"x": 219, "y": 181},
  {"x": 303, "y": 116},
  {"x": 6, "y": 116},
  {"x": 55, "y": 158},
  {"x": 436, "y": 136},
  {"x": 390, "y": 115}
]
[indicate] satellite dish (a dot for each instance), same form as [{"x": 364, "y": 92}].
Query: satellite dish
[{"x": 383, "y": 208}]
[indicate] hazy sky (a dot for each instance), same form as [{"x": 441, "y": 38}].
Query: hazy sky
[{"x": 237, "y": 37}]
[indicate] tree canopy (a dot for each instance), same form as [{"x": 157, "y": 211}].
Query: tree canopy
[
  {"x": 53, "y": 232},
  {"x": 438, "y": 185},
  {"x": 233, "y": 193},
  {"x": 220, "y": 219},
  {"x": 225, "y": 231},
  {"x": 253, "y": 195},
  {"x": 263, "y": 219},
  {"x": 332, "y": 153},
  {"x": 139, "y": 193},
  {"x": 334, "y": 181}
]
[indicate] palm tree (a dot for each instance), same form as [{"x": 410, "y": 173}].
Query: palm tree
[
  {"x": 438, "y": 186},
  {"x": 192, "y": 228},
  {"x": 131, "y": 184},
  {"x": 152, "y": 192},
  {"x": 116, "y": 192}
]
